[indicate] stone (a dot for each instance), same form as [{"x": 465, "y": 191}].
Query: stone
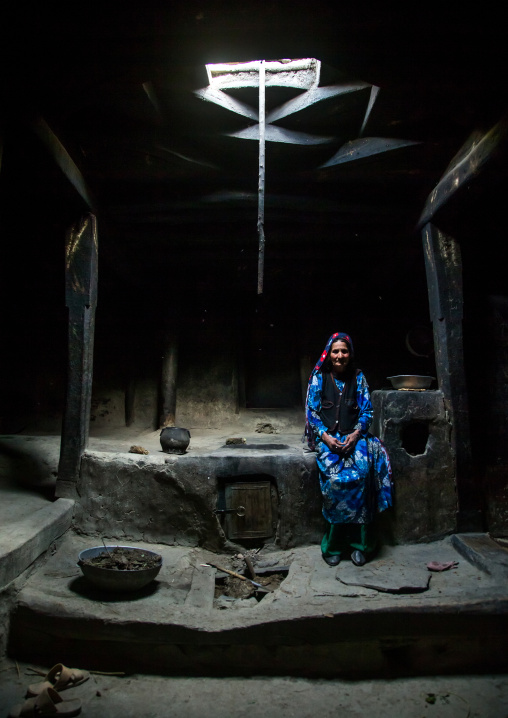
[
  {"x": 388, "y": 578},
  {"x": 138, "y": 450}
]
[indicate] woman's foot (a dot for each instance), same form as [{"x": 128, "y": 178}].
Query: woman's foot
[
  {"x": 331, "y": 560},
  {"x": 358, "y": 558}
]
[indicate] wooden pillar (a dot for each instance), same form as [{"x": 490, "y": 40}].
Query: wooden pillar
[
  {"x": 130, "y": 396},
  {"x": 131, "y": 368},
  {"x": 443, "y": 266},
  {"x": 305, "y": 372},
  {"x": 81, "y": 300},
  {"x": 168, "y": 379}
]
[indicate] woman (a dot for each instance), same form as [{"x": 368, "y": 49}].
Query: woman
[{"x": 354, "y": 468}]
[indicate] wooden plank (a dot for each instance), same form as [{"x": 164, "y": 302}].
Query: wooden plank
[
  {"x": 279, "y": 134},
  {"x": 313, "y": 96},
  {"x": 443, "y": 265},
  {"x": 372, "y": 99},
  {"x": 201, "y": 593},
  {"x": 81, "y": 300},
  {"x": 467, "y": 163},
  {"x": 367, "y": 147},
  {"x": 224, "y": 100}
]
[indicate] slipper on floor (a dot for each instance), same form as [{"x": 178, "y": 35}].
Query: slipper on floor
[
  {"x": 47, "y": 703},
  {"x": 60, "y": 678}
]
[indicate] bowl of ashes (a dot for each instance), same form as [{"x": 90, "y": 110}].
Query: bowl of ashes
[
  {"x": 411, "y": 381},
  {"x": 119, "y": 568}
]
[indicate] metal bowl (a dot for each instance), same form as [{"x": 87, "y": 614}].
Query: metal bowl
[
  {"x": 112, "y": 580},
  {"x": 411, "y": 381}
]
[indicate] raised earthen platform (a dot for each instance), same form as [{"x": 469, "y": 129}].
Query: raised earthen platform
[{"x": 313, "y": 625}]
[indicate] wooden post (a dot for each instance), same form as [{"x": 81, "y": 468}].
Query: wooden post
[
  {"x": 443, "y": 266},
  {"x": 130, "y": 396},
  {"x": 81, "y": 300},
  {"x": 168, "y": 380},
  {"x": 261, "y": 178}
]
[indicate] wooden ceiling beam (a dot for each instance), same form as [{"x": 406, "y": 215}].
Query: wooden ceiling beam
[
  {"x": 367, "y": 147},
  {"x": 279, "y": 134},
  {"x": 211, "y": 94},
  {"x": 464, "y": 167},
  {"x": 63, "y": 159},
  {"x": 311, "y": 97}
]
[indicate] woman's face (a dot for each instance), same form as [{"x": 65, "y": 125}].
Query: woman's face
[{"x": 339, "y": 356}]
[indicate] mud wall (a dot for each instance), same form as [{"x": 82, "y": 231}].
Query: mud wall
[
  {"x": 172, "y": 499},
  {"x": 415, "y": 430}
]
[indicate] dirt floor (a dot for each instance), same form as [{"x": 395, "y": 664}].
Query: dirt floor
[{"x": 138, "y": 696}]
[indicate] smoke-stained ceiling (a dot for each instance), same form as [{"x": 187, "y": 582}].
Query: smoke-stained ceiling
[{"x": 122, "y": 88}]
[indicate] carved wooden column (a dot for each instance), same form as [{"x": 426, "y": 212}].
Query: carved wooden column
[
  {"x": 81, "y": 300},
  {"x": 443, "y": 266}
]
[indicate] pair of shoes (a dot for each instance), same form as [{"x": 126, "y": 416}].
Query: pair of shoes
[
  {"x": 59, "y": 678},
  {"x": 358, "y": 558},
  {"x": 47, "y": 703},
  {"x": 43, "y": 698},
  {"x": 331, "y": 560}
]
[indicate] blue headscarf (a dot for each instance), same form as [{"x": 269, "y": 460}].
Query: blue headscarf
[{"x": 337, "y": 337}]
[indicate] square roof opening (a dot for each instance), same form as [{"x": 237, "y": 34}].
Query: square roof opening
[{"x": 301, "y": 74}]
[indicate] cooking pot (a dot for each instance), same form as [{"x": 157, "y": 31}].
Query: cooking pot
[{"x": 174, "y": 439}]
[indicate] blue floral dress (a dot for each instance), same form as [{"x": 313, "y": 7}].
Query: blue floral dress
[{"x": 357, "y": 486}]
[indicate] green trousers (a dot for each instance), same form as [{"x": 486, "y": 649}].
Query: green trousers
[{"x": 341, "y": 538}]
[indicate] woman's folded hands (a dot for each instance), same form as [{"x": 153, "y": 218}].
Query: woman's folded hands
[{"x": 345, "y": 446}]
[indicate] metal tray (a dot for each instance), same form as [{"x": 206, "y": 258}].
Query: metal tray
[{"x": 411, "y": 381}]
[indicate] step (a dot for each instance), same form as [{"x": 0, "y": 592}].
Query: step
[
  {"x": 483, "y": 552},
  {"x": 312, "y": 625},
  {"x": 26, "y": 539}
]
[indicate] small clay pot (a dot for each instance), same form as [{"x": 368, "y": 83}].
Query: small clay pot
[{"x": 175, "y": 440}]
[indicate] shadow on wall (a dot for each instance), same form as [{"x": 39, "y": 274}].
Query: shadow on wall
[{"x": 31, "y": 462}]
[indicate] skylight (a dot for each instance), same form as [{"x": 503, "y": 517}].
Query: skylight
[{"x": 302, "y": 74}]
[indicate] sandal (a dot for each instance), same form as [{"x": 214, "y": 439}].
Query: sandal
[
  {"x": 60, "y": 678},
  {"x": 47, "y": 703}
]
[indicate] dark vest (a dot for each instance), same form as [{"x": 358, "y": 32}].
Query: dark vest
[{"x": 339, "y": 410}]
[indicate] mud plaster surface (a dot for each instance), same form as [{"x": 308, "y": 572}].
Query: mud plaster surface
[
  {"x": 147, "y": 696},
  {"x": 311, "y": 588}
]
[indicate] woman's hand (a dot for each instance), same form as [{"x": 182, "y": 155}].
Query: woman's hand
[
  {"x": 349, "y": 442},
  {"x": 332, "y": 443},
  {"x": 341, "y": 447}
]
